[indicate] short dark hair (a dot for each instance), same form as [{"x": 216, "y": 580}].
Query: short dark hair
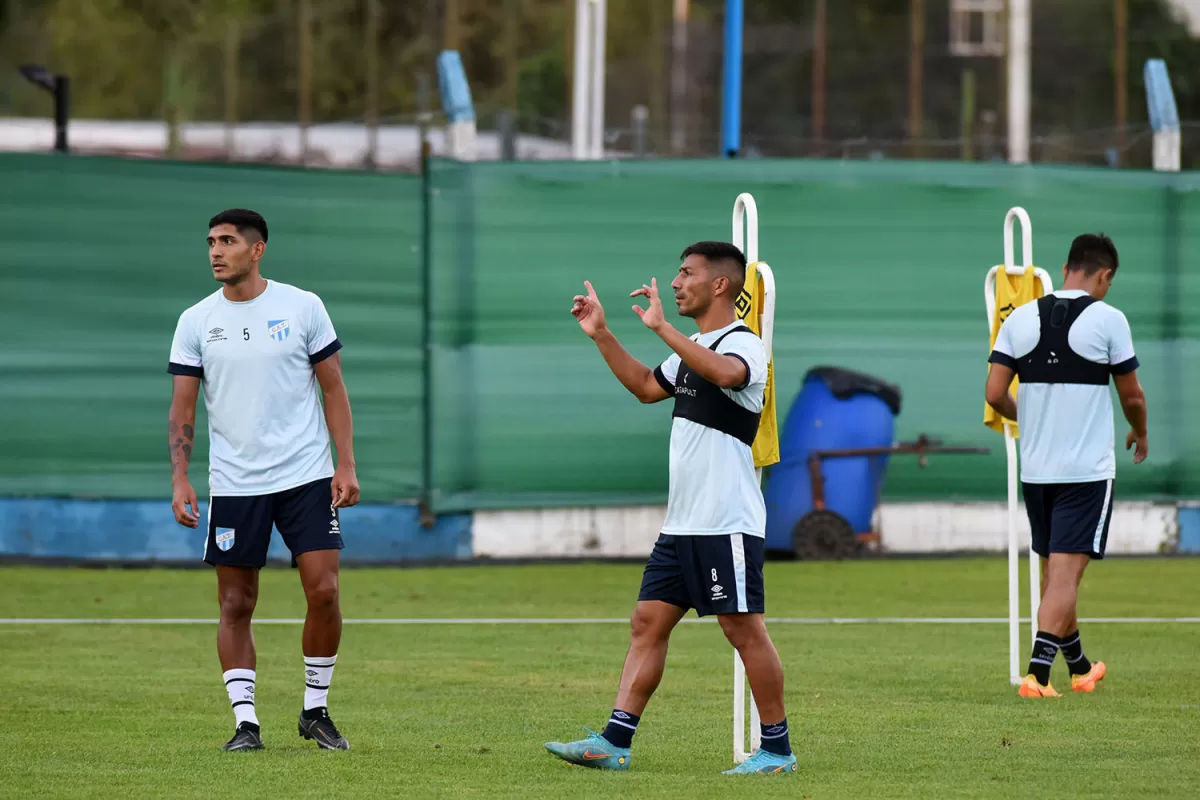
[
  {"x": 727, "y": 258},
  {"x": 1092, "y": 252},
  {"x": 243, "y": 219}
]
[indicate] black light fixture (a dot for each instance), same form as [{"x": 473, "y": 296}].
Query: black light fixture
[{"x": 60, "y": 87}]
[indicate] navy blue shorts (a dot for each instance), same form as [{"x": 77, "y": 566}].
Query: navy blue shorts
[
  {"x": 239, "y": 528},
  {"x": 1069, "y": 517},
  {"x": 713, "y": 574}
]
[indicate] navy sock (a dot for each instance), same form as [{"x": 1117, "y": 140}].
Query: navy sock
[
  {"x": 621, "y": 728},
  {"x": 775, "y": 739},
  {"x": 1072, "y": 650},
  {"x": 1045, "y": 648}
]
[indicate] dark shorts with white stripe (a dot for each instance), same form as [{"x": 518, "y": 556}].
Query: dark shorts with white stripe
[
  {"x": 239, "y": 527},
  {"x": 720, "y": 574},
  {"x": 1069, "y": 517}
]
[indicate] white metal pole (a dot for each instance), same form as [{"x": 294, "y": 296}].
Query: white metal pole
[
  {"x": 599, "y": 67},
  {"x": 1016, "y": 214},
  {"x": 1014, "y": 588},
  {"x": 580, "y": 103},
  {"x": 1019, "y": 34},
  {"x": 745, "y": 238}
]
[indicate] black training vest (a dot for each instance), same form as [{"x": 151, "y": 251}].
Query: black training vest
[
  {"x": 1053, "y": 360},
  {"x": 706, "y": 404}
]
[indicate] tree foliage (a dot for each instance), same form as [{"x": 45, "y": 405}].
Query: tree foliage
[{"x": 146, "y": 59}]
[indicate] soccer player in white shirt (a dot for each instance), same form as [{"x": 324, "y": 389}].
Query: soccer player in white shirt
[
  {"x": 1064, "y": 348},
  {"x": 266, "y": 353},
  {"x": 709, "y": 555}
]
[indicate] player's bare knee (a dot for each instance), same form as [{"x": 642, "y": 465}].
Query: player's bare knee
[
  {"x": 324, "y": 595},
  {"x": 742, "y": 630},
  {"x": 646, "y": 627},
  {"x": 237, "y": 603}
]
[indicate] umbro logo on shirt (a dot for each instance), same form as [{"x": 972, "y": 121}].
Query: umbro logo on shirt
[{"x": 216, "y": 335}]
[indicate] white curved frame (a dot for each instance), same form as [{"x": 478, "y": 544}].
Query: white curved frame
[
  {"x": 1010, "y": 449},
  {"x": 745, "y": 236}
]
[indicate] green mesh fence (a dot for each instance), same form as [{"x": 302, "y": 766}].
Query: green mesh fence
[
  {"x": 98, "y": 258},
  {"x": 879, "y": 268}
]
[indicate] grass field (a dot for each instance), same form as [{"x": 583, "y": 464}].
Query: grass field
[{"x": 877, "y": 710}]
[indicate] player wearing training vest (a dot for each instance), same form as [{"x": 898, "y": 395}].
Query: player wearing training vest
[
  {"x": 266, "y": 353},
  {"x": 709, "y": 555},
  {"x": 1064, "y": 347}
]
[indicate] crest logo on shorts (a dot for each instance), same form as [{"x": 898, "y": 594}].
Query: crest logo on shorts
[
  {"x": 224, "y": 538},
  {"x": 278, "y": 329}
]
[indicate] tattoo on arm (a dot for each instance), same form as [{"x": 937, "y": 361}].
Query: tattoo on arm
[{"x": 180, "y": 440}]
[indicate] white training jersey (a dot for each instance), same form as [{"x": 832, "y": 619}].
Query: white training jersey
[
  {"x": 714, "y": 489},
  {"x": 1066, "y": 429},
  {"x": 266, "y": 425}
]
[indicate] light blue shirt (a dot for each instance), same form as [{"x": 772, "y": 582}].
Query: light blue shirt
[
  {"x": 1066, "y": 429},
  {"x": 714, "y": 488},
  {"x": 266, "y": 425}
]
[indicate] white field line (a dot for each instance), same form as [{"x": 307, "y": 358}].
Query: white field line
[{"x": 580, "y": 621}]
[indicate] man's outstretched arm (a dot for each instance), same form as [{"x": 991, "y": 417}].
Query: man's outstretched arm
[{"x": 633, "y": 374}]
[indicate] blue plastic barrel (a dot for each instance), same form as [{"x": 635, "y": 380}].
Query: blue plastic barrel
[{"x": 836, "y": 409}]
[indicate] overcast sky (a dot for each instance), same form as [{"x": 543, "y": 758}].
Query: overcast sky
[{"x": 1191, "y": 11}]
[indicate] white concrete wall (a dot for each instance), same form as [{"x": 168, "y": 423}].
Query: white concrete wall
[{"x": 907, "y": 528}]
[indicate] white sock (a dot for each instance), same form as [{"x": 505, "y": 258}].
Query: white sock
[
  {"x": 239, "y": 683},
  {"x": 318, "y": 673}
]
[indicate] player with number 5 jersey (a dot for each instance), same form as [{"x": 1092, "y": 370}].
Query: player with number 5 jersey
[{"x": 266, "y": 355}]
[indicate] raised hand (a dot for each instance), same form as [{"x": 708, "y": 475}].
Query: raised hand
[
  {"x": 588, "y": 311},
  {"x": 652, "y": 317}
]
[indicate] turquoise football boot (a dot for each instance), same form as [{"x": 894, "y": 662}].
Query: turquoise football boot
[
  {"x": 764, "y": 763},
  {"x": 595, "y": 751}
]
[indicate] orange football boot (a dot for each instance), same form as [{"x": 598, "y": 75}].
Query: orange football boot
[
  {"x": 1031, "y": 688},
  {"x": 1087, "y": 682}
]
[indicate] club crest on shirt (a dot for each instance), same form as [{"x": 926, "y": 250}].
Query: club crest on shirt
[
  {"x": 224, "y": 538},
  {"x": 278, "y": 329}
]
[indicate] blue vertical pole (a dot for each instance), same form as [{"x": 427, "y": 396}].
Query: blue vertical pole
[{"x": 731, "y": 109}]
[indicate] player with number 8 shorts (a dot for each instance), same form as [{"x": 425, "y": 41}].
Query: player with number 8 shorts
[{"x": 709, "y": 555}]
